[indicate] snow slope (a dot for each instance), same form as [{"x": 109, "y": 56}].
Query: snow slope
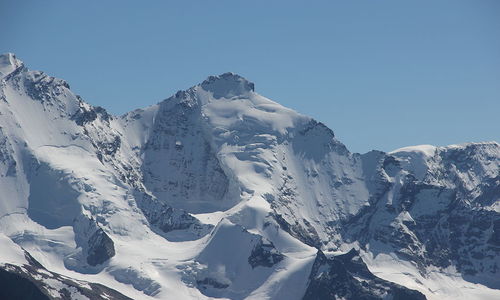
[{"x": 219, "y": 192}]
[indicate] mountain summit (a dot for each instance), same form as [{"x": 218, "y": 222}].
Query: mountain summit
[
  {"x": 220, "y": 193},
  {"x": 227, "y": 85},
  {"x": 9, "y": 63}
]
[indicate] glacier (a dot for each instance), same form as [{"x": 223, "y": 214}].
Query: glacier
[{"x": 220, "y": 193}]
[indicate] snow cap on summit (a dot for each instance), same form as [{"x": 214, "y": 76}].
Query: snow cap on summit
[
  {"x": 227, "y": 85},
  {"x": 8, "y": 64}
]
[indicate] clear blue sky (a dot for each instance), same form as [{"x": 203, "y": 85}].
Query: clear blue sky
[{"x": 381, "y": 74}]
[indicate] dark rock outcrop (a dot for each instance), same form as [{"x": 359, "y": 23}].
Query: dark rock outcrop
[
  {"x": 212, "y": 283},
  {"x": 86, "y": 114},
  {"x": 33, "y": 282},
  {"x": 15, "y": 286},
  {"x": 101, "y": 248},
  {"x": 97, "y": 246},
  {"x": 167, "y": 218},
  {"x": 264, "y": 254},
  {"x": 347, "y": 277}
]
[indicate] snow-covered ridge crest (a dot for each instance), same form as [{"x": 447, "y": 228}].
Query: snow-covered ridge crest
[
  {"x": 9, "y": 63},
  {"x": 429, "y": 150}
]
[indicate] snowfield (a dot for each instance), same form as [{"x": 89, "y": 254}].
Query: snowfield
[{"x": 220, "y": 193}]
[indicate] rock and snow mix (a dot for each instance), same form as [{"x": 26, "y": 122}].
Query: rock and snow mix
[{"x": 219, "y": 192}]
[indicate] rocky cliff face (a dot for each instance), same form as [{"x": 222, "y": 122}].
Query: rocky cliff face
[
  {"x": 347, "y": 277},
  {"x": 220, "y": 192},
  {"x": 434, "y": 211}
]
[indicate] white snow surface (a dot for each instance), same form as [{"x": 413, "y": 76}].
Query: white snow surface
[
  {"x": 11, "y": 252},
  {"x": 220, "y": 151}
]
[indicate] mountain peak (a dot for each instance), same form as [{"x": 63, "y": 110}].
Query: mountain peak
[
  {"x": 8, "y": 63},
  {"x": 227, "y": 85},
  {"x": 236, "y": 197}
]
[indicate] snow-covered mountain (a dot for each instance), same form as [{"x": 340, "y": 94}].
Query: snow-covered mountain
[{"x": 219, "y": 192}]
